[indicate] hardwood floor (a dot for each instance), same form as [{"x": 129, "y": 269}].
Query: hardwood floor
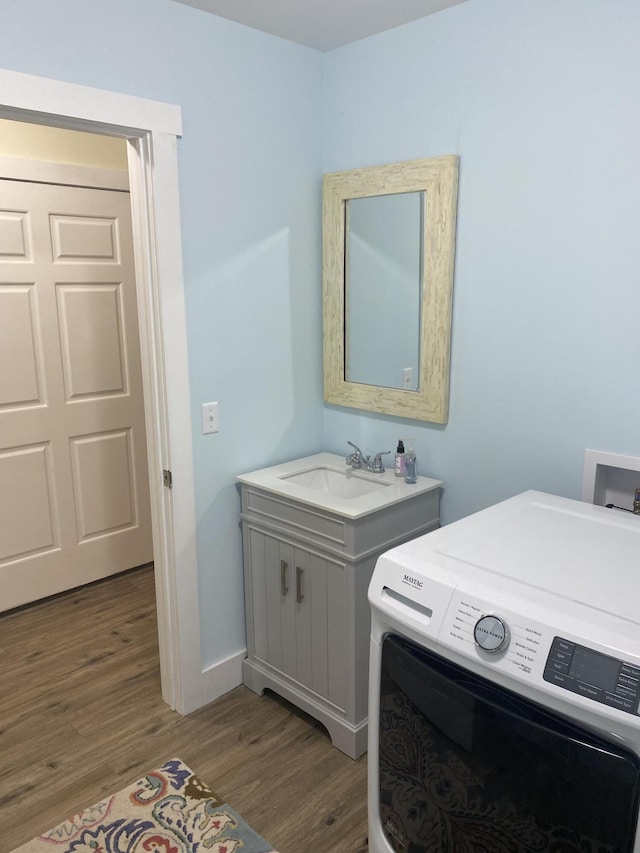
[{"x": 81, "y": 717}]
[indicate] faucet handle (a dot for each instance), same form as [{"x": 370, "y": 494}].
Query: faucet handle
[
  {"x": 356, "y": 459},
  {"x": 376, "y": 466}
]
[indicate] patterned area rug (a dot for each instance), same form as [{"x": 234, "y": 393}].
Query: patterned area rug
[{"x": 168, "y": 811}]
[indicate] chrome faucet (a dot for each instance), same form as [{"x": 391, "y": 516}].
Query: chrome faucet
[
  {"x": 376, "y": 466},
  {"x": 359, "y": 460}
]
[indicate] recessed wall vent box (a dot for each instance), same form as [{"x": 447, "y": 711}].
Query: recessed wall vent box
[{"x": 610, "y": 478}]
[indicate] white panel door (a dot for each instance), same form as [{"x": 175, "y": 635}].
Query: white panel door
[{"x": 74, "y": 488}]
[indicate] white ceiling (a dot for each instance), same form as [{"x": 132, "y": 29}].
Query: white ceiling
[{"x": 322, "y": 24}]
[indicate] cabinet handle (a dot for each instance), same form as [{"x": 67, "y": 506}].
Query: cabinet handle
[
  {"x": 284, "y": 589},
  {"x": 299, "y": 595}
]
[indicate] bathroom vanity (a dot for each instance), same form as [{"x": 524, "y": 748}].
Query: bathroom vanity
[{"x": 312, "y": 531}]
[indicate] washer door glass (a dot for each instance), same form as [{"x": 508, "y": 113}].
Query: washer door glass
[{"x": 466, "y": 765}]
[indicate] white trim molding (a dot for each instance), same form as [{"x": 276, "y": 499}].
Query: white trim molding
[
  {"x": 221, "y": 677},
  {"x": 83, "y": 108}
]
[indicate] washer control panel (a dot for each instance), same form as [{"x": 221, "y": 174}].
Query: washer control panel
[
  {"x": 527, "y": 650},
  {"x": 592, "y": 674},
  {"x": 503, "y": 640}
]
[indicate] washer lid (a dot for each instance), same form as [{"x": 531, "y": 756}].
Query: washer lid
[{"x": 581, "y": 552}]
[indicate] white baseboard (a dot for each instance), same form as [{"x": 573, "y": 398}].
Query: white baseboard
[{"x": 221, "y": 677}]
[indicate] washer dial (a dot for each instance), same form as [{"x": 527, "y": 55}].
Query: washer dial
[{"x": 491, "y": 634}]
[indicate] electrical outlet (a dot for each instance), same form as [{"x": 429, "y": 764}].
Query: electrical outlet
[
  {"x": 209, "y": 418},
  {"x": 407, "y": 377}
]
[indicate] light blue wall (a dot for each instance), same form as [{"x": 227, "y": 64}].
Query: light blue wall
[
  {"x": 250, "y": 178},
  {"x": 541, "y": 101}
]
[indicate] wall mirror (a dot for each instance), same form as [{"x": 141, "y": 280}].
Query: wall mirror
[{"x": 388, "y": 254}]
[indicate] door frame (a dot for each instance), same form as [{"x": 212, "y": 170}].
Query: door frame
[{"x": 151, "y": 129}]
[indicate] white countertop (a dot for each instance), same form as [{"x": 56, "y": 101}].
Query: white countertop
[{"x": 392, "y": 489}]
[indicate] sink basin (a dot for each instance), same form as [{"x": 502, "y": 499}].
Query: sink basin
[
  {"x": 324, "y": 482},
  {"x": 342, "y": 484}
]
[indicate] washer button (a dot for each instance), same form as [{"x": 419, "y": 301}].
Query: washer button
[
  {"x": 560, "y": 679},
  {"x": 588, "y": 690},
  {"x": 618, "y": 702},
  {"x": 563, "y": 657},
  {"x": 563, "y": 645},
  {"x": 557, "y": 666},
  {"x": 629, "y": 670}
]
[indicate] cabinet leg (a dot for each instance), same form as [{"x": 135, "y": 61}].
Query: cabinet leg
[{"x": 348, "y": 738}]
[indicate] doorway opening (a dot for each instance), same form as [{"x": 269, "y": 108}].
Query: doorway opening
[{"x": 150, "y": 130}]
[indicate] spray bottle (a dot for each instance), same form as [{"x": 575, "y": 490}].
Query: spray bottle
[{"x": 398, "y": 462}]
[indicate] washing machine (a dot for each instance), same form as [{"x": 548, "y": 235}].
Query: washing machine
[{"x": 504, "y": 684}]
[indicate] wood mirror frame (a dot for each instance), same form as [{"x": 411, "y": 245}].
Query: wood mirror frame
[{"x": 437, "y": 178}]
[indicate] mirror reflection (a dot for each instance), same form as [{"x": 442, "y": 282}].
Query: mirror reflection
[{"x": 383, "y": 291}]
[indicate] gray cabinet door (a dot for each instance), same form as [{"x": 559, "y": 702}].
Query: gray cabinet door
[
  {"x": 321, "y": 626},
  {"x": 298, "y": 599}
]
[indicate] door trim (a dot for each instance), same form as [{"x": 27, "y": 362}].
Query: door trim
[
  {"x": 48, "y": 172},
  {"x": 151, "y": 129}
]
